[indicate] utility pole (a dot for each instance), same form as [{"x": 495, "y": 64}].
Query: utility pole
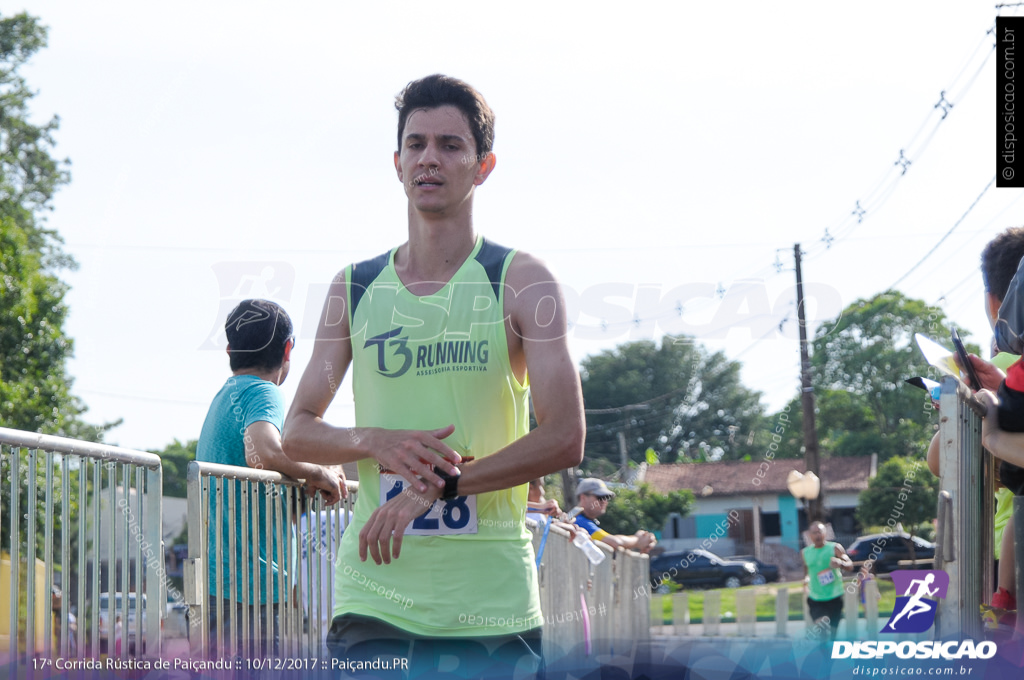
[
  {"x": 569, "y": 487},
  {"x": 623, "y": 436},
  {"x": 807, "y": 399},
  {"x": 623, "y": 453}
]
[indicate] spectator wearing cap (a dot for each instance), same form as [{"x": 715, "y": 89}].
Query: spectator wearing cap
[{"x": 594, "y": 495}]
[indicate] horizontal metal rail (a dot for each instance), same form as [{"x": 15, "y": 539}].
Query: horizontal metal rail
[{"x": 64, "y": 445}]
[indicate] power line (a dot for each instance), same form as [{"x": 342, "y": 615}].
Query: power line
[
  {"x": 910, "y": 153},
  {"x": 983, "y": 231},
  {"x": 946, "y": 235},
  {"x": 880, "y": 193}
]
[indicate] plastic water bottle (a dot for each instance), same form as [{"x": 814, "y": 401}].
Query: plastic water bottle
[{"x": 583, "y": 542}]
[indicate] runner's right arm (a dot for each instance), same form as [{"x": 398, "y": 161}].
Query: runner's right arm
[{"x": 309, "y": 438}]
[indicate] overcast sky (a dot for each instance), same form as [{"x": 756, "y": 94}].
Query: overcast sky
[{"x": 651, "y": 155}]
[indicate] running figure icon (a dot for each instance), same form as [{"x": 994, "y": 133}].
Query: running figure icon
[{"x": 914, "y": 605}]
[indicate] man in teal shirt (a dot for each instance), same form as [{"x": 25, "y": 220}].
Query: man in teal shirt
[
  {"x": 243, "y": 428},
  {"x": 823, "y": 561}
]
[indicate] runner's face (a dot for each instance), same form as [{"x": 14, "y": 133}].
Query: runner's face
[
  {"x": 817, "y": 535},
  {"x": 438, "y": 162}
]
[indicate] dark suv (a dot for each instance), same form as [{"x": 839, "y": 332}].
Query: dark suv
[
  {"x": 891, "y": 549},
  {"x": 695, "y": 568}
]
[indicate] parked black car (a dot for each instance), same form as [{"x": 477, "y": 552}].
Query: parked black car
[
  {"x": 891, "y": 549},
  {"x": 766, "y": 573},
  {"x": 695, "y": 568}
]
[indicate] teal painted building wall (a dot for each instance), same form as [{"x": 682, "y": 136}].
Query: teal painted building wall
[
  {"x": 707, "y": 525},
  {"x": 789, "y": 522}
]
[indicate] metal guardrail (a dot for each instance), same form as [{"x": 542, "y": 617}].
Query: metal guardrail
[
  {"x": 94, "y": 514},
  {"x": 611, "y": 609},
  {"x": 611, "y": 600},
  {"x": 965, "y": 513},
  {"x": 297, "y": 568}
]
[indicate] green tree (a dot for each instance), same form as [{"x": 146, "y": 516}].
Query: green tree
[
  {"x": 34, "y": 384},
  {"x": 642, "y": 508},
  {"x": 860, "y": 362},
  {"x": 175, "y": 459},
  {"x": 678, "y": 399},
  {"x": 844, "y": 422},
  {"x": 34, "y": 387},
  {"x": 903, "y": 491}
]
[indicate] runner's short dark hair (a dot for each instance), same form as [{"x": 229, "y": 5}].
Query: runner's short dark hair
[
  {"x": 257, "y": 331},
  {"x": 999, "y": 261},
  {"x": 440, "y": 90}
]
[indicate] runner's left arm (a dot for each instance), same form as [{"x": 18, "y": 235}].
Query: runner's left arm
[{"x": 845, "y": 563}]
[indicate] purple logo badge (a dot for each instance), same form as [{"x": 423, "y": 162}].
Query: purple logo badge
[{"x": 913, "y": 613}]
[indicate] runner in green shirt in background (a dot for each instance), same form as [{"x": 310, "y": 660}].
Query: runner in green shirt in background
[{"x": 823, "y": 561}]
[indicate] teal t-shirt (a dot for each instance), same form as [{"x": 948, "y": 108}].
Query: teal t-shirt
[
  {"x": 244, "y": 400},
  {"x": 826, "y": 582}
]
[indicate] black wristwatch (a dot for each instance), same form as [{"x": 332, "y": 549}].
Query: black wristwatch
[{"x": 451, "y": 484}]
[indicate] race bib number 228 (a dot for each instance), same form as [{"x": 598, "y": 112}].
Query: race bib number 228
[{"x": 455, "y": 516}]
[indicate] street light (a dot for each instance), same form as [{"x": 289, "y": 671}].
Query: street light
[{"x": 805, "y": 487}]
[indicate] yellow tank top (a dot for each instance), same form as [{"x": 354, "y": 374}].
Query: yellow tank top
[{"x": 424, "y": 362}]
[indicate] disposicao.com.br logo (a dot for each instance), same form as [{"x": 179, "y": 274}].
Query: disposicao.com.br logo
[
  {"x": 914, "y": 612},
  {"x": 926, "y": 649}
]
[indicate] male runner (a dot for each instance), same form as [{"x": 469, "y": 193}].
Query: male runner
[
  {"x": 445, "y": 334},
  {"x": 823, "y": 580}
]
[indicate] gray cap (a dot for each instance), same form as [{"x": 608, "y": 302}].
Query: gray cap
[{"x": 594, "y": 487}]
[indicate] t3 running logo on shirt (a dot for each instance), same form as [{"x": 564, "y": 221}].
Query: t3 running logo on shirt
[
  {"x": 442, "y": 356},
  {"x": 912, "y": 612},
  {"x": 399, "y": 348}
]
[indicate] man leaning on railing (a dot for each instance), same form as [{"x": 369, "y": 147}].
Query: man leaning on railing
[{"x": 243, "y": 428}]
